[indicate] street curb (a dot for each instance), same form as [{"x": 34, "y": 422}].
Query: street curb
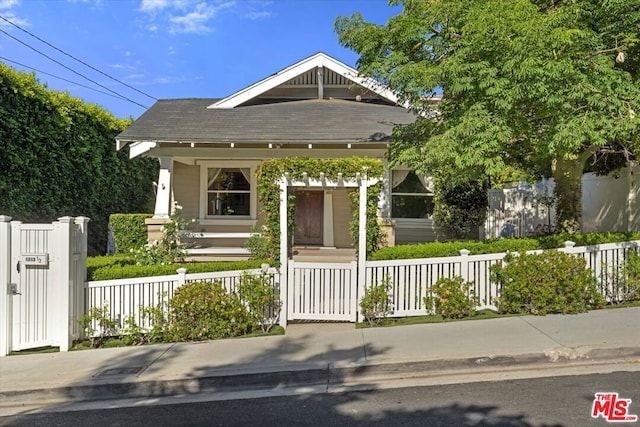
[{"x": 329, "y": 376}]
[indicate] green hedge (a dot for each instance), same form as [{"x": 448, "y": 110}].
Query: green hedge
[
  {"x": 124, "y": 270},
  {"x": 101, "y": 262},
  {"x": 444, "y": 249},
  {"x": 58, "y": 157},
  {"x": 129, "y": 231}
]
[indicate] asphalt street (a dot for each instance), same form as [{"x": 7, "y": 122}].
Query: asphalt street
[{"x": 551, "y": 401}]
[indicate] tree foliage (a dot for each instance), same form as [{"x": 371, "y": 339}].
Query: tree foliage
[
  {"x": 551, "y": 86},
  {"x": 58, "y": 157}
]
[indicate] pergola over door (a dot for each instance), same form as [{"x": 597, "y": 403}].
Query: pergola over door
[{"x": 362, "y": 183}]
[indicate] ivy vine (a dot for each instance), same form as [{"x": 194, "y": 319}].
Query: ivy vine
[{"x": 271, "y": 171}]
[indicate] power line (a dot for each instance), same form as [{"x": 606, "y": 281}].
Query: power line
[
  {"x": 76, "y": 59},
  {"x": 72, "y": 70},
  {"x": 60, "y": 78}
]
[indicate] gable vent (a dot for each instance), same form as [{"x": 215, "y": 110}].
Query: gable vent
[{"x": 306, "y": 79}]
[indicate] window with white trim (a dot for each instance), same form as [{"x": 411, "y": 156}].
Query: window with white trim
[
  {"x": 228, "y": 192},
  {"x": 411, "y": 195}
]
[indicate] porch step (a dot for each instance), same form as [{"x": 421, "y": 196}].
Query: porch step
[{"x": 322, "y": 254}]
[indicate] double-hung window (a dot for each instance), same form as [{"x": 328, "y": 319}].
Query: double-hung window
[
  {"x": 228, "y": 192},
  {"x": 411, "y": 195}
]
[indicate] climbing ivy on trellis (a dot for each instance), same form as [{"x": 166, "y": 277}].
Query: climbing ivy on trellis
[{"x": 272, "y": 170}]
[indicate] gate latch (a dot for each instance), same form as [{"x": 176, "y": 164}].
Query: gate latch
[{"x": 13, "y": 289}]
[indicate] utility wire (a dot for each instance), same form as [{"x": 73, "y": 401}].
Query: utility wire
[
  {"x": 72, "y": 70},
  {"x": 60, "y": 78},
  {"x": 76, "y": 59}
]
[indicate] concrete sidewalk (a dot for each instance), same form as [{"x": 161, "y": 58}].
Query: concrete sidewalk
[{"x": 317, "y": 354}]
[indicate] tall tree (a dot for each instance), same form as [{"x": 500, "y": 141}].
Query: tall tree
[
  {"x": 58, "y": 157},
  {"x": 546, "y": 85}
]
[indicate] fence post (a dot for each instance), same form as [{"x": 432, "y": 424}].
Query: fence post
[
  {"x": 5, "y": 283},
  {"x": 464, "y": 264},
  {"x": 61, "y": 283},
  {"x": 284, "y": 255},
  {"x": 355, "y": 302},
  {"x": 568, "y": 247},
  {"x": 182, "y": 276}
]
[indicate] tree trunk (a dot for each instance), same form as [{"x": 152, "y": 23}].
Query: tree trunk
[{"x": 567, "y": 174}]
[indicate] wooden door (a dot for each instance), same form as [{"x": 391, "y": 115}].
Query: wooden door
[{"x": 309, "y": 215}]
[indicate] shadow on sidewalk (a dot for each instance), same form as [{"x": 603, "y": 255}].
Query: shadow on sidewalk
[{"x": 308, "y": 360}]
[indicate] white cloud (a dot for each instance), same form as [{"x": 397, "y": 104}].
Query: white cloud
[
  {"x": 10, "y": 16},
  {"x": 194, "y": 21},
  {"x": 183, "y": 16},
  {"x": 135, "y": 76},
  {"x": 255, "y": 15},
  {"x": 153, "y": 5},
  {"x": 8, "y": 4},
  {"x": 122, "y": 67}
]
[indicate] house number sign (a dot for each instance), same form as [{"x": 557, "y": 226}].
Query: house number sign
[{"x": 34, "y": 259}]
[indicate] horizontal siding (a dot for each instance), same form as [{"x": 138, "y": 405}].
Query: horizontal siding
[
  {"x": 186, "y": 189},
  {"x": 341, "y": 217}
]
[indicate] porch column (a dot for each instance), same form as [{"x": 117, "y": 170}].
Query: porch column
[
  {"x": 163, "y": 194},
  {"x": 327, "y": 232},
  {"x": 284, "y": 253}
]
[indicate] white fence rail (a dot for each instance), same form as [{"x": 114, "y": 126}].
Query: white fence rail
[
  {"x": 328, "y": 291},
  {"x": 410, "y": 279},
  {"x": 125, "y": 298}
]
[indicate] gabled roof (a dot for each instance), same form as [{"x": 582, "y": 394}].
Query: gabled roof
[
  {"x": 313, "y": 120},
  {"x": 318, "y": 100},
  {"x": 306, "y": 65}
]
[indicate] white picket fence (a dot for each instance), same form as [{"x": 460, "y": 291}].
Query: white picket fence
[
  {"x": 328, "y": 292},
  {"x": 410, "y": 279},
  {"x": 125, "y": 298}
]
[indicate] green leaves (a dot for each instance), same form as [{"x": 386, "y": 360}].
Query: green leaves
[
  {"x": 58, "y": 158},
  {"x": 522, "y": 82}
]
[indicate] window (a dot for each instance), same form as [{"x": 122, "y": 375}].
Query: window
[
  {"x": 411, "y": 195},
  {"x": 229, "y": 192}
]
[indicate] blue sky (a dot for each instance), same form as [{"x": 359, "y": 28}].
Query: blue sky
[{"x": 171, "y": 48}]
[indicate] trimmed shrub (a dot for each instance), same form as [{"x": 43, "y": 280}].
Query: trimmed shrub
[
  {"x": 129, "y": 231},
  {"x": 445, "y": 249},
  {"x": 205, "y": 310},
  {"x": 123, "y": 271},
  {"x": 549, "y": 282},
  {"x": 451, "y": 298}
]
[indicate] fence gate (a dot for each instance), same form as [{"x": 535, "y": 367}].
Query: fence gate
[
  {"x": 322, "y": 291},
  {"x": 43, "y": 270}
]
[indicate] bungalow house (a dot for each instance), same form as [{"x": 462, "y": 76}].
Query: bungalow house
[{"x": 209, "y": 150}]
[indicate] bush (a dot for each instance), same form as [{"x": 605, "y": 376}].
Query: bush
[
  {"x": 205, "y": 310},
  {"x": 261, "y": 297},
  {"x": 168, "y": 249},
  {"x": 622, "y": 285},
  {"x": 451, "y": 298},
  {"x": 127, "y": 270},
  {"x": 376, "y": 303},
  {"x": 261, "y": 247},
  {"x": 98, "y": 325},
  {"x": 129, "y": 231},
  {"x": 445, "y": 249},
  {"x": 100, "y": 262},
  {"x": 549, "y": 282}
]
